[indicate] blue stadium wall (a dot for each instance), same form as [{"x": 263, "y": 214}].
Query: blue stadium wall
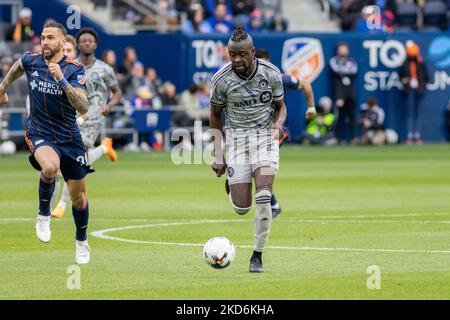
[{"x": 183, "y": 59}]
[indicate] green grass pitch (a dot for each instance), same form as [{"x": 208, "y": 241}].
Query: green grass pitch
[{"x": 344, "y": 209}]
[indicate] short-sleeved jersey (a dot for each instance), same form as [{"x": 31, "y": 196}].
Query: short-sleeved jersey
[
  {"x": 51, "y": 114},
  {"x": 100, "y": 77},
  {"x": 247, "y": 102}
]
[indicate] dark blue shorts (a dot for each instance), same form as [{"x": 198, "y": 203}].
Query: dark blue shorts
[{"x": 74, "y": 163}]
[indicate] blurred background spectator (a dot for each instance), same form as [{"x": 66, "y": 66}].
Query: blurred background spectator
[
  {"x": 344, "y": 69},
  {"x": 320, "y": 129},
  {"x": 21, "y": 30},
  {"x": 372, "y": 123},
  {"x": 220, "y": 22},
  {"x": 414, "y": 77}
]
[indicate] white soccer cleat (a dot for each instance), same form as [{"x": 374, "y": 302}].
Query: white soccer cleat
[
  {"x": 83, "y": 252},
  {"x": 43, "y": 228}
]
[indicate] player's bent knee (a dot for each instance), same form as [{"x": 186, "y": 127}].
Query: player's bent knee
[{"x": 50, "y": 170}]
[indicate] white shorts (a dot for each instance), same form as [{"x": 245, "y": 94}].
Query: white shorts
[
  {"x": 248, "y": 150},
  {"x": 89, "y": 133}
]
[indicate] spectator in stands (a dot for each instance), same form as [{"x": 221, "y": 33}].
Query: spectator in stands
[
  {"x": 21, "y": 31},
  {"x": 320, "y": 129},
  {"x": 169, "y": 94},
  {"x": 129, "y": 59},
  {"x": 272, "y": 15},
  {"x": 195, "y": 22},
  {"x": 134, "y": 80},
  {"x": 190, "y": 101},
  {"x": 414, "y": 76},
  {"x": 255, "y": 23},
  {"x": 344, "y": 69},
  {"x": 241, "y": 10},
  {"x": 153, "y": 81},
  {"x": 210, "y": 7},
  {"x": 142, "y": 100},
  {"x": 372, "y": 123},
  {"x": 220, "y": 22},
  {"x": 109, "y": 57}
]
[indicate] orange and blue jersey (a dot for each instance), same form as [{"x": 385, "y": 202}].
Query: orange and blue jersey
[{"x": 51, "y": 115}]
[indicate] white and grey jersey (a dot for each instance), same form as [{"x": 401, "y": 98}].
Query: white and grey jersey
[
  {"x": 247, "y": 102},
  {"x": 99, "y": 78}
]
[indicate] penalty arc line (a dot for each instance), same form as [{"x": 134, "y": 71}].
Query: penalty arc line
[{"x": 102, "y": 235}]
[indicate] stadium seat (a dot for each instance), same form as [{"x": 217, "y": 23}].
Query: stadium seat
[
  {"x": 435, "y": 14},
  {"x": 406, "y": 15}
]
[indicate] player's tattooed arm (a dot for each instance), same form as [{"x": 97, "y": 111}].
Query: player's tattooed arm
[
  {"x": 13, "y": 74},
  {"x": 77, "y": 98}
]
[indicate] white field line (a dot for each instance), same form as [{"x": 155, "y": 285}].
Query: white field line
[{"x": 102, "y": 235}]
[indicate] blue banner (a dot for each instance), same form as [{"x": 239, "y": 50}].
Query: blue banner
[{"x": 151, "y": 120}]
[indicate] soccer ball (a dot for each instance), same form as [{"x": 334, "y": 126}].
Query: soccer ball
[
  {"x": 8, "y": 148},
  {"x": 391, "y": 136},
  {"x": 219, "y": 252}
]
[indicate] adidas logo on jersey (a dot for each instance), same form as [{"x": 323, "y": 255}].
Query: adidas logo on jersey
[{"x": 35, "y": 74}]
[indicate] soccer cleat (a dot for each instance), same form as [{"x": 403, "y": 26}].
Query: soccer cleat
[
  {"x": 58, "y": 212},
  {"x": 82, "y": 252},
  {"x": 256, "y": 264},
  {"x": 276, "y": 211},
  {"x": 43, "y": 228},
  {"x": 111, "y": 153}
]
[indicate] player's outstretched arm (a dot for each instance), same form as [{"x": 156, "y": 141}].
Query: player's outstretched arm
[
  {"x": 309, "y": 95},
  {"x": 13, "y": 74}
]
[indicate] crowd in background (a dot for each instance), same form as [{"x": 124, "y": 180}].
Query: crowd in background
[
  {"x": 206, "y": 16},
  {"x": 392, "y": 15},
  {"x": 338, "y": 120}
]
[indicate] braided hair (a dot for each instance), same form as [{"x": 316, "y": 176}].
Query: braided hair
[{"x": 239, "y": 33}]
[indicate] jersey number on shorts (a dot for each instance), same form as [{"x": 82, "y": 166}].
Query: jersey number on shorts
[{"x": 83, "y": 160}]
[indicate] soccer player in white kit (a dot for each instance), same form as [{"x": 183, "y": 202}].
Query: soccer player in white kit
[
  {"x": 249, "y": 92},
  {"x": 101, "y": 80}
]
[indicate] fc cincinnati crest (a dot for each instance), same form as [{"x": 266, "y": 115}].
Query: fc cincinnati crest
[{"x": 302, "y": 58}]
